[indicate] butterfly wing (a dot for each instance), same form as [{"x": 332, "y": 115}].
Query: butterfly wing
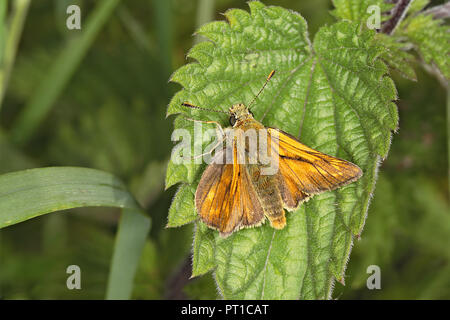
[
  {"x": 226, "y": 199},
  {"x": 304, "y": 171}
]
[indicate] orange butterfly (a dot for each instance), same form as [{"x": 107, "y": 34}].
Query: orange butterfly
[{"x": 235, "y": 195}]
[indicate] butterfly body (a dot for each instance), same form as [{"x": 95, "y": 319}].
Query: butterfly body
[{"x": 266, "y": 187}]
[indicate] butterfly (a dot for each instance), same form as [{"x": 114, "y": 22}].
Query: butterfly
[{"x": 235, "y": 194}]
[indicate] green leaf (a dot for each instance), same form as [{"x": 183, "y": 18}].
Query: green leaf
[
  {"x": 182, "y": 209},
  {"x": 431, "y": 38},
  {"x": 396, "y": 56},
  {"x": 130, "y": 240},
  {"x": 335, "y": 96},
  {"x": 356, "y": 10},
  {"x": 183, "y": 172},
  {"x": 30, "y": 193},
  {"x": 203, "y": 250}
]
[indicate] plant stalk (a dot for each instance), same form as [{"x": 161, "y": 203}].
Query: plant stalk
[{"x": 398, "y": 13}]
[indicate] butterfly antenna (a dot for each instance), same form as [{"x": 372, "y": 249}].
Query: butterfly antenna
[
  {"x": 187, "y": 104},
  {"x": 264, "y": 85}
]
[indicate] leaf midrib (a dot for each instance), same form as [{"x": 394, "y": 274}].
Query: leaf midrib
[{"x": 266, "y": 264}]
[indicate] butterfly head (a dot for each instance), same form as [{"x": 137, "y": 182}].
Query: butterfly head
[{"x": 238, "y": 113}]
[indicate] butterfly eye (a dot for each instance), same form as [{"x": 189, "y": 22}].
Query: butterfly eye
[
  {"x": 251, "y": 113},
  {"x": 232, "y": 120}
]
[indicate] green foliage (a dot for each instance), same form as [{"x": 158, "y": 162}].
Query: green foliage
[
  {"x": 396, "y": 56},
  {"x": 117, "y": 127},
  {"x": 182, "y": 209},
  {"x": 431, "y": 39},
  {"x": 419, "y": 222},
  {"x": 30, "y": 193},
  {"x": 356, "y": 10},
  {"x": 402, "y": 235},
  {"x": 60, "y": 73},
  {"x": 335, "y": 96},
  {"x": 110, "y": 116},
  {"x": 109, "y": 127},
  {"x": 130, "y": 241},
  {"x": 10, "y": 31},
  {"x": 203, "y": 250}
]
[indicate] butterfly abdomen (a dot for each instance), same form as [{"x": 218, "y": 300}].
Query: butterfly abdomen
[{"x": 269, "y": 196}]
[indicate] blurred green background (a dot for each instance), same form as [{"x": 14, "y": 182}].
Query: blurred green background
[{"x": 110, "y": 115}]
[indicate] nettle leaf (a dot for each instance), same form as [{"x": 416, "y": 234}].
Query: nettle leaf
[
  {"x": 203, "y": 250},
  {"x": 357, "y": 10},
  {"x": 182, "y": 209},
  {"x": 397, "y": 56},
  {"x": 335, "y": 95},
  {"x": 431, "y": 38}
]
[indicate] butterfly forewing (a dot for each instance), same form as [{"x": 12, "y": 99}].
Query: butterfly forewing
[
  {"x": 225, "y": 198},
  {"x": 304, "y": 171}
]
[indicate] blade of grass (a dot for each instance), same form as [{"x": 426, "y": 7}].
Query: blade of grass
[
  {"x": 30, "y": 193},
  {"x": 60, "y": 73},
  {"x": 133, "y": 230},
  {"x": 11, "y": 35}
]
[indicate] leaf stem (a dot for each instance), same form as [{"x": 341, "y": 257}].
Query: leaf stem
[{"x": 398, "y": 13}]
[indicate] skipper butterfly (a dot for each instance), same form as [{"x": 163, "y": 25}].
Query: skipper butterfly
[{"x": 235, "y": 195}]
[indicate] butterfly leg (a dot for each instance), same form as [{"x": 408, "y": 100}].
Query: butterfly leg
[
  {"x": 219, "y": 131},
  {"x": 219, "y": 127}
]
